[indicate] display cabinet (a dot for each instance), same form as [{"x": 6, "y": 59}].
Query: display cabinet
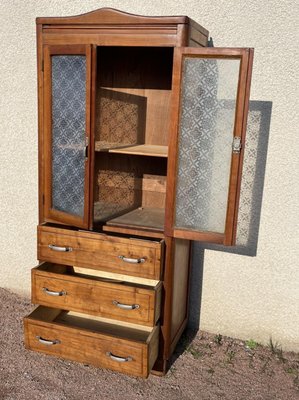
[{"x": 141, "y": 136}]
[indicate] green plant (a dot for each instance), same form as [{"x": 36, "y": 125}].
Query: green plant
[
  {"x": 218, "y": 339},
  {"x": 291, "y": 370},
  {"x": 273, "y": 346},
  {"x": 230, "y": 356},
  {"x": 195, "y": 352},
  {"x": 276, "y": 349},
  {"x": 171, "y": 371},
  {"x": 251, "y": 344},
  {"x": 264, "y": 367}
]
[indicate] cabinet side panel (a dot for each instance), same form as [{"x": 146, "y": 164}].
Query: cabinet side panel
[
  {"x": 40, "y": 120},
  {"x": 197, "y": 38},
  {"x": 180, "y": 285}
]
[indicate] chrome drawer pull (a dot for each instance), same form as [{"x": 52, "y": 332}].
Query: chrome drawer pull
[
  {"x": 118, "y": 359},
  {"x": 132, "y": 260},
  {"x": 58, "y": 248},
  {"x": 52, "y": 293},
  {"x": 126, "y": 306},
  {"x": 47, "y": 342}
]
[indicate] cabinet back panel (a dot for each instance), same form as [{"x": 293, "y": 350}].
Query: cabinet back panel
[
  {"x": 133, "y": 95},
  {"x": 124, "y": 182}
]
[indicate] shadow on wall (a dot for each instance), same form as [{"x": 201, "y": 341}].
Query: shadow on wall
[{"x": 254, "y": 165}]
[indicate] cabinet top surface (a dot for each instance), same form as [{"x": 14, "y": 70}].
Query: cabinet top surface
[{"x": 110, "y": 16}]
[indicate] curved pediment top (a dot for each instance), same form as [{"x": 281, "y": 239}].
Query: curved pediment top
[{"x": 111, "y": 16}]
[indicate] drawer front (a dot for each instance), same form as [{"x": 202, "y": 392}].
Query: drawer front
[
  {"x": 119, "y": 301},
  {"x": 141, "y": 258},
  {"x": 100, "y": 350}
]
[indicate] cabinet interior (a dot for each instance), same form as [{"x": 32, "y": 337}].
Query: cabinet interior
[
  {"x": 83, "y": 273},
  {"x": 90, "y": 322},
  {"x": 132, "y": 113}
]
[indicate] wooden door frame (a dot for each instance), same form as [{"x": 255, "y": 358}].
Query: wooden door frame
[
  {"x": 51, "y": 215},
  {"x": 242, "y": 102}
]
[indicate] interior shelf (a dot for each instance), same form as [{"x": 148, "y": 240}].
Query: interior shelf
[
  {"x": 104, "y": 211},
  {"x": 137, "y": 149},
  {"x": 142, "y": 217}
]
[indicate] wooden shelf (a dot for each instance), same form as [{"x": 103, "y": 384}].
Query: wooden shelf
[
  {"x": 104, "y": 211},
  {"x": 143, "y": 217},
  {"x": 138, "y": 149}
]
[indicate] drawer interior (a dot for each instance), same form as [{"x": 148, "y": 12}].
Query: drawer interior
[
  {"x": 88, "y": 339},
  {"x": 47, "y": 227},
  {"x": 53, "y": 269},
  {"x": 91, "y": 323}
]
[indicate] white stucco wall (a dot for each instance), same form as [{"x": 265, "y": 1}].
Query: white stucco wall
[{"x": 246, "y": 297}]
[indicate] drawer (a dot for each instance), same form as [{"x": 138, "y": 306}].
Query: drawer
[
  {"x": 60, "y": 287},
  {"x": 136, "y": 257},
  {"x": 75, "y": 337}
]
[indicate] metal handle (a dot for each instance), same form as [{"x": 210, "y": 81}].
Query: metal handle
[
  {"x": 117, "y": 358},
  {"x": 126, "y": 306},
  {"x": 53, "y": 293},
  {"x": 86, "y": 147},
  {"x": 132, "y": 260},
  {"x": 47, "y": 342},
  {"x": 59, "y": 248}
]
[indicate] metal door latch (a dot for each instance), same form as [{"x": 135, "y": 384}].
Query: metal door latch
[
  {"x": 86, "y": 147},
  {"x": 237, "y": 145}
]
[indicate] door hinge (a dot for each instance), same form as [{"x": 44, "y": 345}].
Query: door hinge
[
  {"x": 43, "y": 199},
  {"x": 42, "y": 65},
  {"x": 237, "y": 145}
]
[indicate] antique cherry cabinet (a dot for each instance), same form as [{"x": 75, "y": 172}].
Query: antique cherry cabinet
[{"x": 141, "y": 137}]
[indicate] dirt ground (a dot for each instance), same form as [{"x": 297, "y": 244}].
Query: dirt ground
[{"x": 204, "y": 367}]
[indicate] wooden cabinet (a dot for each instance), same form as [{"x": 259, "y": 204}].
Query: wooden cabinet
[{"x": 141, "y": 136}]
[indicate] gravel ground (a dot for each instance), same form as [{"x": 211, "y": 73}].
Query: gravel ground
[{"x": 205, "y": 366}]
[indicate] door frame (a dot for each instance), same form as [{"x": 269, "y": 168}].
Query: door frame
[
  {"x": 50, "y": 214},
  {"x": 242, "y": 103}
]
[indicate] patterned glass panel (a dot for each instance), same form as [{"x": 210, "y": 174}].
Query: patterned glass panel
[
  {"x": 209, "y": 91},
  {"x": 68, "y": 133}
]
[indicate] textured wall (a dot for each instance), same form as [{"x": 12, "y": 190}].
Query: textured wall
[{"x": 242, "y": 296}]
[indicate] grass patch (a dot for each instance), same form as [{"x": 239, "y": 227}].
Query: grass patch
[
  {"x": 251, "y": 344},
  {"x": 230, "y": 356},
  {"x": 218, "y": 339},
  {"x": 195, "y": 352},
  {"x": 291, "y": 370},
  {"x": 276, "y": 349}
]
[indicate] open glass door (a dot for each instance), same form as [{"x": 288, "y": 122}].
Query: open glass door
[
  {"x": 210, "y": 105},
  {"x": 67, "y": 90}
]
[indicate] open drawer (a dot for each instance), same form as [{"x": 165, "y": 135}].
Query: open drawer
[
  {"x": 59, "y": 286},
  {"x": 121, "y": 255},
  {"x": 82, "y": 338}
]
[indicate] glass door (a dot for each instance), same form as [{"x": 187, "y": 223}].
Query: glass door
[
  {"x": 67, "y": 90},
  {"x": 210, "y": 105}
]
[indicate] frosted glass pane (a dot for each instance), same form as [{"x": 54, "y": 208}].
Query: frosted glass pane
[
  {"x": 68, "y": 133},
  {"x": 208, "y": 101}
]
